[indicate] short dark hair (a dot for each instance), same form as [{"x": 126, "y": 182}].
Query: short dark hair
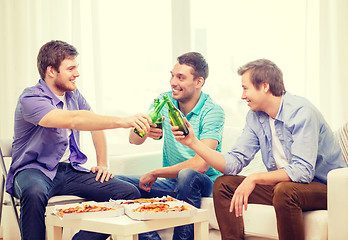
[
  {"x": 52, "y": 54},
  {"x": 197, "y": 62},
  {"x": 263, "y": 70}
]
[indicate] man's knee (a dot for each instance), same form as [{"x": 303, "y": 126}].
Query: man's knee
[
  {"x": 186, "y": 175},
  {"x": 134, "y": 192},
  {"x": 226, "y": 183},
  {"x": 190, "y": 182},
  {"x": 34, "y": 193},
  {"x": 123, "y": 190},
  {"x": 284, "y": 193}
]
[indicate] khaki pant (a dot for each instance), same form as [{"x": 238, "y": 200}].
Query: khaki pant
[{"x": 288, "y": 198}]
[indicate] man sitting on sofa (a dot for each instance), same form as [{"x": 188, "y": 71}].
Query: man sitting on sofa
[
  {"x": 184, "y": 175},
  {"x": 46, "y": 157},
  {"x": 298, "y": 149}
]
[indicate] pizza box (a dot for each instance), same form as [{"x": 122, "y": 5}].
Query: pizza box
[
  {"x": 130, "y": 210},
  {"x": 118, "y": 210}
]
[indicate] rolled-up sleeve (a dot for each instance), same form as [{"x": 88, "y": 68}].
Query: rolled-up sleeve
[
  {"x": 247, "y": 145},
  {"x": 304, "y": 148}
]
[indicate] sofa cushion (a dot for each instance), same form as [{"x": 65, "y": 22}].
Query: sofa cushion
[
  {"x": 342, "y": 137},
  {"x": 208, "y": 203},
  {"x": 260, "y": 220}
]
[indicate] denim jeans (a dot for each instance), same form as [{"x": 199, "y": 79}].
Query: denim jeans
[
  {"x": 189, "y": 186},
  {"x": 34, "y": 189}
]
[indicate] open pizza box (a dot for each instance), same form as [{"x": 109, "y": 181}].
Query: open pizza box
[
  {"x": 174, "y": 208},
  {"x": 113, "y": 210}
]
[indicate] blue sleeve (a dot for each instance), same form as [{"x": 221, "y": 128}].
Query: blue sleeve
[
  {"x": 82, "y": 103},
  {"x": 304, "y": 136},
  {"x": 34, "y": 106},
  {"x": 247, "y": 145}
]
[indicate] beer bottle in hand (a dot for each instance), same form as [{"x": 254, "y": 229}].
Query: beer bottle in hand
[
  {"x": 175, "y": 116},
  {"x": 159, "y": 121},
  {"x": 154, "y": 114}
]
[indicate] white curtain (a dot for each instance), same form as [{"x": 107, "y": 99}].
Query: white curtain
[
  {"x": 333, "y": 61},
  {"x": 26, "y": 25}
]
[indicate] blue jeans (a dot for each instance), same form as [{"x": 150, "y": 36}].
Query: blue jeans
[
  {"x": 189, "y": 186},
  {"x": 34, "y": 189}
]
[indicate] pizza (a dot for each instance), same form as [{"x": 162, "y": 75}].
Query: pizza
[
  {"x": 150, "y": 200},
  {"x": 160, "y": 207},
  {"x": 83, "y": 209}
]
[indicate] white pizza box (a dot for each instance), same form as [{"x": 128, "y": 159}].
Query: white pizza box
[
  {"x": 118, "y": 210},
  {"x": 129, "y": 210}
]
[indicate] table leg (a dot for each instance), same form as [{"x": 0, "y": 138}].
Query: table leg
[
  {"x": 54, "y": 233},
  {"x": 201, "y": 230}
]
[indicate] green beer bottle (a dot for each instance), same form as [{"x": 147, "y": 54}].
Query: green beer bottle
[
  {"x": 159, "y": 121},
  {"x": 175, "y": 116},
  {"x": 154, "y": 114}
]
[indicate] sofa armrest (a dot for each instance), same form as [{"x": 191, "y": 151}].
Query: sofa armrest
[
  {"x": 338, "y": 204},
  {"x": 135, "y": 164}
]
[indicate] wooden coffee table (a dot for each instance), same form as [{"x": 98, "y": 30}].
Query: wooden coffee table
[{"x": 125, "y": 228}]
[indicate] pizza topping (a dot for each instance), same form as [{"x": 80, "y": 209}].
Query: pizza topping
[
  {"x": 150, "y": 200},
  {"x": 84, "y": 209},
  {"x": 160, "y": 207}
]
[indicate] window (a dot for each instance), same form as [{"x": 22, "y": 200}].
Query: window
[{"x": 231, "y": 33}]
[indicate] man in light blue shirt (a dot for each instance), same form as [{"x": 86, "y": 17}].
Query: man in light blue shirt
[
  {"x": 184, "y": 174},
  {"x": 298, "y": 149}
]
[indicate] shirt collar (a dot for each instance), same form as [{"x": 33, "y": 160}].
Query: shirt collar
[
  {"x": 196, "y": 109},
  {"x": 265, "y": 117},
  {"x": 280, "y": 114},
  {"x": 43, "y": 85}
]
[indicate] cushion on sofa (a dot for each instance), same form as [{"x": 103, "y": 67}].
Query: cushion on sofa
[
  {"x": 342, "y": 136},
  {"x": 260, "y": 220}
]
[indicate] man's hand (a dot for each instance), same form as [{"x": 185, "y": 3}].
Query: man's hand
[
  {"x": 154, "y": 132},
  {"x": 103, "y": 173},
  {"x": 146, "y": 181},
  {"x": 179, "y": 135},
  {"x": 241, "y": 195},
  {"x": 140, "y": 121}
]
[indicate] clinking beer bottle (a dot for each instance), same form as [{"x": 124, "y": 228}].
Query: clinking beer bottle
[
  {"x": 175, "y": 116},
  {"x": 159, "y": 121},
  {"x": 154, "y": 114}
]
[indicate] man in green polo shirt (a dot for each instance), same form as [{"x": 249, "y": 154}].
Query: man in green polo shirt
[{"x": 184, "y": 175}]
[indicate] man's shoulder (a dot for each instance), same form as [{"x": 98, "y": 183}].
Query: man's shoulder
[
  {"x": 211, "y": 106},
  {"x": 210, "y": 102},
  {"x": 294, "y": 105},
  {"x": 33, "y": 91}
]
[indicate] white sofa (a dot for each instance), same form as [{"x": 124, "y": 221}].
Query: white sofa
[{"x": 259, "y": 220}]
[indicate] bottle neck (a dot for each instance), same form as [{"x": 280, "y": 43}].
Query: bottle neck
[
  {"x": 156, "y": 102},
  {"x": 169, "y": 103},
  {"x": 159, "y": 106}
]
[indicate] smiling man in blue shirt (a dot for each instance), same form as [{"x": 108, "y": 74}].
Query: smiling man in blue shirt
[
  {"x": 46, "y": 154},
  {"x": 297, "y": 146}
]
